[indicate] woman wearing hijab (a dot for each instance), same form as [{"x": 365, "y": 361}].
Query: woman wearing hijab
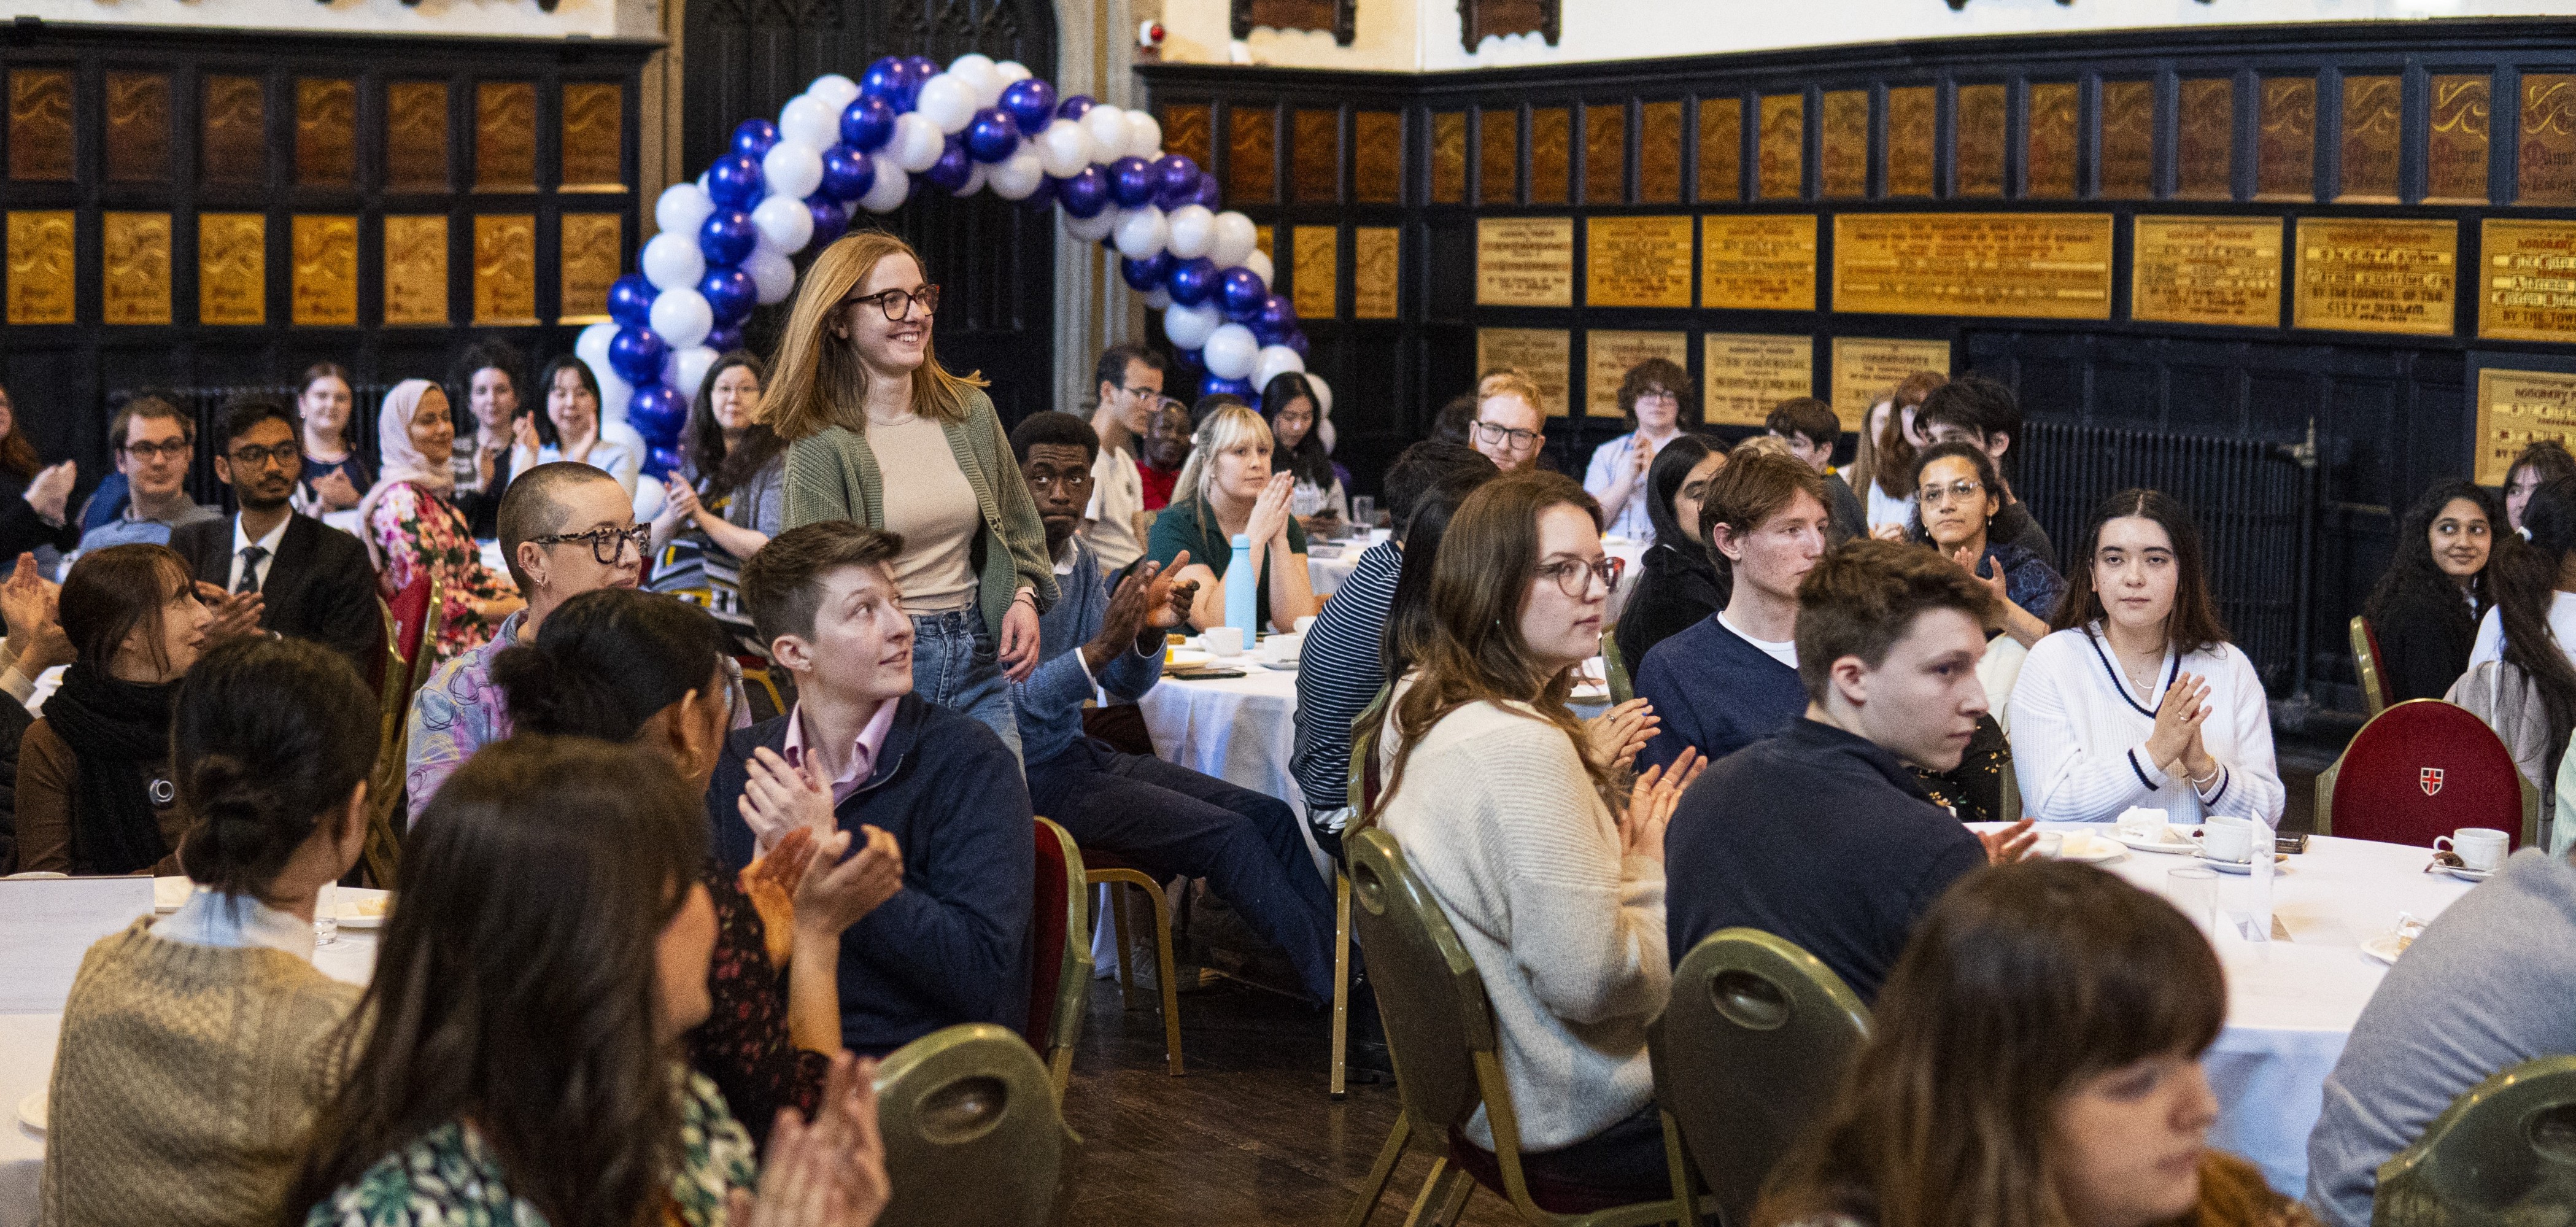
[{"x": 412, "y": 526}]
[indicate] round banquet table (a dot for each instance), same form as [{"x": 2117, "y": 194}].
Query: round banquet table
[{"x": 2291, "y": 1003}]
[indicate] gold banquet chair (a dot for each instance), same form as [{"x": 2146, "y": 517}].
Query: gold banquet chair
[
  {"x": 411, "y": 644},
  {"x": 972, "y": 1131},
  {"x": 2502, "y": 1155},
  {"x": 1060, "y": 1028}
]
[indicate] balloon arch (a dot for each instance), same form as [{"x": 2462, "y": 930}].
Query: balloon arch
[{"x": 843, "y": 146}]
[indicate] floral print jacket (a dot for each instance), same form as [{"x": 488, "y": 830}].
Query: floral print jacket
[{"x": 415, "y": 529}]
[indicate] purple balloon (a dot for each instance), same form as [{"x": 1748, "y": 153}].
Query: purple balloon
[
  {"x": 1030, "y": 101},
  {"x": 662, "y": 461},
  {"x": 1242, "y": 292},
  {"x": 1209, "y": 195},
  {"x": 1296, "y": 340},
  {"x": 1176, "y": 180},
  {"x": 867, "y": 123},
  {"x": 657, "y": 413},
  {"x": 992, "y": 135},
  {"x": 884, "y": 79},
  {"x": 952, "y": 169},
  {"x": 754, "y": 137},
  {"x": 731, "y": 294},
  {"x": 831, "y": 221},
  {"x": 636, "y": 355},
  {"x": 1132, "y": 182},
  {"x": 1274, "y": 320},
  {"x": 727, "y": 237},
  {"x": 726, "y": 339},
  {"x": 1190, "y": 362},
  {"x": 1192, "y": 280},
  {"x": 847, "y": 173},
  {"x": 1085, "y": 193},
  {"x": 734, "y": 181},
  {"x": 1041, "y": 199},
  {"x": 1145, "y": 276},
  {"x": 1215, "y": 384},
  {"x": 1072, "y": 108},
  {"x": 630, "y": 300},
  {"x": 919, "y": 68}
]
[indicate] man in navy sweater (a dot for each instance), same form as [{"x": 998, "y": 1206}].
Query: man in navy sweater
[
  {"x": 1733, "y": 678},
  {"x": 951, "y": 946},
  {"x": 1818, "y": 833}
]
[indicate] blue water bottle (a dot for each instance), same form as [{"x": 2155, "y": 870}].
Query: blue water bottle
[{"x": 1242, "y": 587}]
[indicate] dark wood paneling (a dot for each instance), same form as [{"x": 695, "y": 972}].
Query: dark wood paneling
[
  {"x": 1186, "y": 131},
  {"x": 1605, "y": 153},
  {"x": 233, "y": 150},
  {"x": 138, "y": 127},
  {"x": 1316, "y": 152},
  {"x": 2205, "y": 139},
  {"x": 1551, "y": 168},
  {"x": 1449, "y": 157},
  {"x": 1721, "y": 150},
  {"x": 40, "y": 123},
  {"x": 1377, "y": 157},
  {"x": 2285, "y": 161},
  {"x": 1498, "y": 157},
  {"x": 326, "y": 132},
  {"x": 1251, "y": 154},
  {"x": 1659, "y": 153}
]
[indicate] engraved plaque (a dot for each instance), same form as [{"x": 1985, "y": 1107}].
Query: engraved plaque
[
  {"x": 2377, "y": 276},
  {"x": 134, "y": 268},
  {"x": 1782, "y": 147},
  {"x": 2455, "y": 158},
  {"x": 1525, "y": 262},
  {"x": 1377, "y": 163},
  {"x": 234, "y": 148},
  {"x": 40, "y": 125},
  {"x": 1866, "y": 369},
  {"x": 138, "y": 127},
  {"x": 1659, "y": 153},
  {"x": 2205, "y": 140},
  {"x": 1758, "y": 262},
  {"x": 1609, "y": 354},
  {"x": 1251, "y": 154},
  {"x": 592, "y": 257},
  {"x": 1980, "y": 123},
  {"x": 1261, "y": 241},
  {"x": 2037, "y": 265},
  {"x": 232, "y": 268},
  {"x": 2517, "y": 409},
  {"x": 1721, "y": 149},
  {"x": 1498, "y": 155},
  {"x": 594, "y": 136},
  {"x": 326, "y": 133},
  {"x": 1187, "y": 131},
  {"x": 505, "y": 136},
  {"x": 325, "y": 287},
  {"x": 1315, "y": 156},
  {"x": 1376, "y": 271},
  {"x": 1545, "y": 355},
  {"x": 2285, "y": 157},
  {"x": 2207, "y": 270},
  {"x": 1551, "y": 155},
  {"x": 416, "y": 136},
  {"x": 1605, "y": 153},
  {"x": 2527, "y": 290},
  {"x": 2128, "y": 140},
  {"x": 2547, "y": 167},
  {"x": 1842, "y": 158},
  {"x": 40, "y": 265},
  {"x": 1449, "y": 157},
  {"x": 1912, "y": 125},
  {"x": 2056, "y": 112},
  {"x": 505, "y": 269},
  {"x": 2370, "y": 135},
  {"x": 1637, "y": 262},
  {"x": 1317, "y": 289},
  {"x": 416, "y": 269},
  {"x": 1749, "y": 373}
]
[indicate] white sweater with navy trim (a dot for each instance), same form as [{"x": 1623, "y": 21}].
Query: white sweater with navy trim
[{"x": 2079, "y": 730}]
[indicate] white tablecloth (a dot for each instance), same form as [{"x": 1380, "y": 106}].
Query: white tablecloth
[{"x": 1240, "y": 730}]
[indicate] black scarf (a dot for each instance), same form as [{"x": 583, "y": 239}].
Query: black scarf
[{"x": 120, "y": 733}]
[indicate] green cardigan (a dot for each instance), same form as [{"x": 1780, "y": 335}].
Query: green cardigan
[{"x": 833, "y": 476}]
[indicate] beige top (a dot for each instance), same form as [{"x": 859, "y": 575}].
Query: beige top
[{"x": 928, "y": 501}]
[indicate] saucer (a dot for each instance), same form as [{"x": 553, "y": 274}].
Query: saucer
[
  {"x": 2245, "y": 867},
  {"x": 2181, "y": 847},
  {"x": 2466, "y": 874}
]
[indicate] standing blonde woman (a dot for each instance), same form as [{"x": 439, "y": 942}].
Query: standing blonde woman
[
  {"x": 858, "y": 393},
  {"x": 1225, "y": 491}
]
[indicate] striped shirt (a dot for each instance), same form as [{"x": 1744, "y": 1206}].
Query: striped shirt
[{"x": 1338, "y": 672}]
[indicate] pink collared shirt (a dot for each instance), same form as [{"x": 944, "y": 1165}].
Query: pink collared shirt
[{"x": 863, "y": 752}]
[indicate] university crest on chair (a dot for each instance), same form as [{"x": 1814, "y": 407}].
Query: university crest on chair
[{"x": 2430, "y": 780}]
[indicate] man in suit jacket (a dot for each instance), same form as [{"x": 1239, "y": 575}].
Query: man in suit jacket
[{"x": 268, "y": 567}]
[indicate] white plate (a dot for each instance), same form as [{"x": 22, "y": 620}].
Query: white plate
[
  {"x": 1185, "y": 658},
  {"x": 169, "y": 893},
  {"x": 2383, "y": 948},
  {"x": 2185, "y": 847},
  {"x": 2279, "y": 860},
  {"x": 31, "y": 1111},
  {"x": 352, "y": 903},
  {"x": 2094, "y": 850},
  {"x": 2468, "y": 875}
]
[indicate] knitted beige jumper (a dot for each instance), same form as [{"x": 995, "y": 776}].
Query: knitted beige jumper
[{"x": 185, "y": 1083}]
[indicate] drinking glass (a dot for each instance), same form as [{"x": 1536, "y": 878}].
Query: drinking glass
[
  {"x": 1363, "y": 512},
  {"x": 326, "y": 915},
  {"x": 2194, "y": 891}
]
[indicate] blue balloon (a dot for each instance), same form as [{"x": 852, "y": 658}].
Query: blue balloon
[
  {"x": 731, "y": 294},
  {"x": 952, "y": 169},
  {"x": 847, "y": 174},
  {"x": 1191, "y": 362},
  {"x": 630, "y": 300},
  {"x": 1031, "y": 102},
  {"x": 661, "y": 462},
  {"x": 727, "y": 237},
  {"x": 1085, "y": 193},
  {"x": 1241, "y": 291},
  {"x": 1072, "y": 108},
  {"x": 1132, "y": 182},
  {"x": 1209, "y": 194},
  {"x": 831, "y": 221},
  {"x": 1296, "y": 340},
  {"x": 1191, "y": 281},
  {"x": 1145, "y": 276},
  {"x": 734, "y": 181},
  {"x": 725, "y": 340},
  {"x": 884, "y": 78},
  {"x": 867, "y": 124},
  {"x": 1215, "y": 384},
  {"x": 636, "y": 355},
  {"x": 1043, "y": 198},
  {"x": 753, "y": 137},
  {"x": 992, "y": 135},
  {"x": 657, "y": 413},
  {"x": 1176, "y": 180},
  {"x": 918, "y": 69},
  {"x": 1276, "y": 318}
]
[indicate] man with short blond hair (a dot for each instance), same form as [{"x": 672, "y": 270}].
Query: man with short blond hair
[{"x": 1511, "y": 422}]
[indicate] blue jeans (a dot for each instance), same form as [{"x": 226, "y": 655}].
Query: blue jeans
[{"x": 954, "y": 665}]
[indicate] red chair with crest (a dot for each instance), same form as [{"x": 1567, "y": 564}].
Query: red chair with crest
[{"x": 2421, "y": 769}]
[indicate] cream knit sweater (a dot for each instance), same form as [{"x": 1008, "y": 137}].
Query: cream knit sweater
[
  {"x": 1496, "y": 815},
  {"x": 186, "y": 1082}
]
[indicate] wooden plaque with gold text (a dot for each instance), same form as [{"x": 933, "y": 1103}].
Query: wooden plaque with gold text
[
  {"x": 134, "y": 268},
  {"x": 1748, "y": 373},
  {"x": 1318, "y": 252},
  {"x": 325, "y": 287},
  {"x": 1525, "y": 262},
  {"x": 593, "y": 255},
  {"x": 1780, "y": 148},
  {"x": 2527, "y": 289},
  {"x": 2516, "y": 409},
  {"x": 1758, "y": 262},
  {"x": 505, "y": 269},
  {"x": 232, "y": 268},
  {"x": 1376, "y": 271},
  {"x": 40, "y": 266},
  {"x": 416, "y": 269},
  {"x": 1609, "y": 353},
  {"x": 1546, "y": 355},
  {"x": 1637, "y": 262},
  {"x": 2034, "y": 265},
  {"x": 1866, "y": 369},
  {"x": 2207, "y": 270},
  {"x": 2376, "y": 276}
]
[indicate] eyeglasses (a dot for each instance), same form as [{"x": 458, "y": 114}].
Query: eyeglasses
[
  {"x": 284, "y": 455},
  {"x": 1496, "y": 432},
  {"x": 608, "y": 545},
  {"x": 898, "y": 303},
  {"x": 1573, "y": 576},
  {"x": 175, "y": 449},
  {"x": 1942, "y": 496}
]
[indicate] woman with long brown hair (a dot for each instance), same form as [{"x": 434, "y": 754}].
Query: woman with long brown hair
[
  {"x": 858, "y": 393},
  {"x": 1547, "y": 859},
  {"x": 733, "y": 497},
  {"x": 2530, "y": 631},
  {"x": 2034, "y": 1061},
  {"x": 1883, "y": 469}
]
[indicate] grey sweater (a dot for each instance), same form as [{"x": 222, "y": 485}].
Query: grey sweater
[{"x": 2490, "y": 984}]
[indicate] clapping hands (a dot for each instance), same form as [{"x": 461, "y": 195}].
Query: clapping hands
[{"x": 830, "y": 1173}]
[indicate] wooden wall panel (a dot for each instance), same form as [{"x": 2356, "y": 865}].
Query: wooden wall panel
[
  {"x": 1377, "y": 157},
  {"x": 326, "y": 132},
  {"x": 2372, "y": 128},
  {"x": 1605, "y": 153},
  {"x": 2056, "y": 115},
  {"x": 1186, "y": 131},
  {"x": 2285, "y": 158},
  {"x": 138, "y": 127},
  {"x": 2455, "y": 158},
  {"x": 40, "y": 123},
  {"x": 1721, "y": 149},
  {"x": 1315, "y": 150},
  {"x": 2127, "y": 153},
  {"x": 233, "y": 152},
  {"x": 1449, "y": 157},
  {"x": 1498, "y": 158},
  {"x": 2547, "y": 157},
  {"x": 1551, "y": 155},
  {"x": 1843, "y": 144},
  {"x": 1659, "y": 153},
  {"x": 2205, "y": 140},
  {"x": 1251, "y": 154},
  {"x": 1983, "y": 122},
  {"x": 1913, "y": 118}
]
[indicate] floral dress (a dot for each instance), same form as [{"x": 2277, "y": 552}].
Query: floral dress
[
  {"x": 412, "y": 528},
  {"x": 451, "y": 1178},
  {"x": 744, "y": 1045}
]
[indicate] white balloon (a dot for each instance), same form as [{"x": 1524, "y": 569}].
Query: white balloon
[
  {"x": 1230, "y": 351},
  {"x": 1323, "y": 405},
  {"x": 1260, "y": 266},
  {"x": 792, "y": 168},
  {"x": 682, "y": 208},
  {"x": 1144, "y": 136},
  {"x": 1015, "y": 177},
  {"x": 973, "y": 70},
  {"x": 1158, "y": 298},
  {"x": 976, "y": 175},
  {"x": 672, "y": 260},
  {"x": 916, "y": 143},
  {"x": 1193, "y": 231},
  {"x": 1274, "y": 361},
  {"x": 1235, "y": 239},
  {"x": 1094, "y": 228},
  {"x": 808, "y": 120},
  {"x": 946, "y": 102},
  {"x": 685, "y": 369},
  {"x": 771, "y": 274},
  {"x": 784, "y": 222},
  {"x": 1013, "y": 70},
  {"x": 1107, "y": 127},
  {"x": 649, "y": 497},
  {"x": 836, "y": 91},
  {"x": 682, "y": 317},
  {"x": 1141, "y": 232},
  {"x": 1188, "y": 327},
  {"x": 614, "y": 392},
  {"x": 1063, "y": 149},
  {"x": 891, "y": 186},
  {"x": 592, "y": 347}
]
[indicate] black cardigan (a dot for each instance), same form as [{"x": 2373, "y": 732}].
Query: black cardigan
[{"x": 2424, "y": 644}]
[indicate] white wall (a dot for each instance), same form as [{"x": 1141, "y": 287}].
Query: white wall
[{"x": 509, "y": 18}]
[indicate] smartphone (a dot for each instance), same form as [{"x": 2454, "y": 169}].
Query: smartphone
[{"x": 2290, "y": 844}]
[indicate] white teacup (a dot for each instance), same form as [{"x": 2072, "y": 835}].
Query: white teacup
[
  {"x": 1304, "y": 622},
  {"x": 2480, "y": 848},
  {"x": 1224, "y": 640},
  {"x": 1281, "y": 649},
  {"x": 2228, "y": 839}
]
